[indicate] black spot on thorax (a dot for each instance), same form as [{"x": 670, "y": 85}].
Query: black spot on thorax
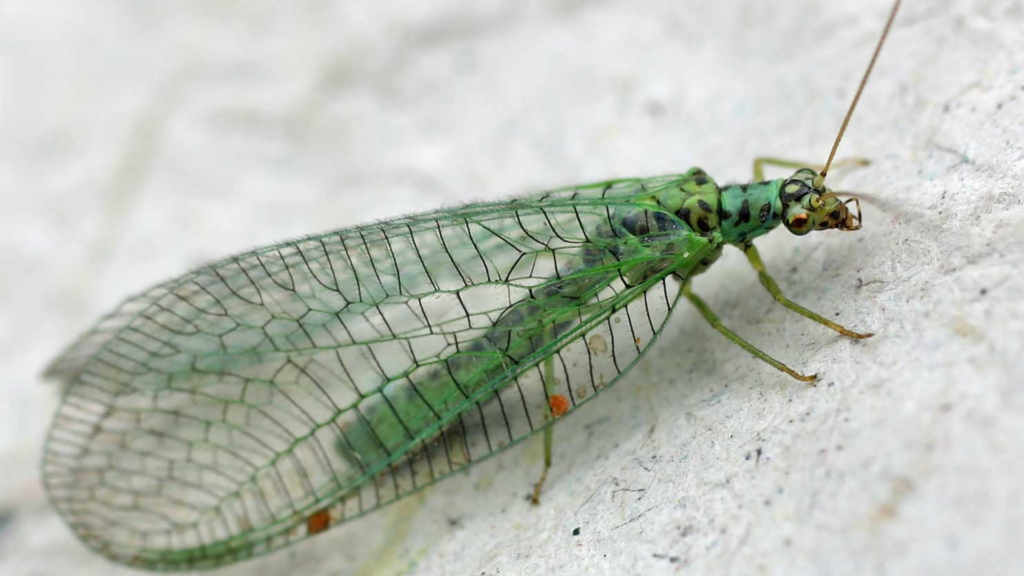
[
  {"x": 743, "y": 216},
  {"x": 702, "y": 224}
]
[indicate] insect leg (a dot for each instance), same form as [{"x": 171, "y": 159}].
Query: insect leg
[
  {"x": 760, "y": 163},
  {"x": 769, "y": 283},
  {"x": 549, "y": 379},
  {"x": 716, "y": 323}
]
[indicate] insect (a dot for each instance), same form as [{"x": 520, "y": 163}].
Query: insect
[{"x": 274, "y": 394}]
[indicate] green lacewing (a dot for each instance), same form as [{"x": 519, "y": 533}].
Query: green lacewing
[{"x": 271, "y": 395}]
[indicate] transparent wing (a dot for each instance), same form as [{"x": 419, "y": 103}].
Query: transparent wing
[{"x": 265, "y": 397}]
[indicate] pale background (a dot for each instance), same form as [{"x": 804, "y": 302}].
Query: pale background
[{"x": 138, "y": 139}]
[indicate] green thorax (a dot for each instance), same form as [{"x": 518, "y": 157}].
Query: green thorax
[
  {"x": 750, "y": 210},
  {"x": 736, "y": 214}
]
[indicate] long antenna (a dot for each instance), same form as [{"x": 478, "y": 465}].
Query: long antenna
[{"x": 860, "y": 89}]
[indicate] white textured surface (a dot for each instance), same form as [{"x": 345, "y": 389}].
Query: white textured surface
[{"x": 140, "y": 139}]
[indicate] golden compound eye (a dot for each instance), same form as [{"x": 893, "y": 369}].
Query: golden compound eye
[{"x": 798, "y": 221}]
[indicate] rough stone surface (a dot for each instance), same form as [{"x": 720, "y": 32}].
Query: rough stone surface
[{"x": 140, "y": 139}]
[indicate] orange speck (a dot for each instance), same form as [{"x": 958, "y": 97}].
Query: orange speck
[
  {"x": 559, "y": 405},
  {"x": 318, "y": 522}
]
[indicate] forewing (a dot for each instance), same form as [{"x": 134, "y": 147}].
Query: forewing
[{"x": 262, "y": 398}]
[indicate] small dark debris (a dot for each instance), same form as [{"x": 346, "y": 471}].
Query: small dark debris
[
  {"x": 672, "y": 559},
  {"x": 983, "y": 291},
  {"x": 576, "y": 531}
]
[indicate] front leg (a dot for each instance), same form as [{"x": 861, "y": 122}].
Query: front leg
[
  {"x": 769, "y": 283},
  {"x": 760, "y": 163}
]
